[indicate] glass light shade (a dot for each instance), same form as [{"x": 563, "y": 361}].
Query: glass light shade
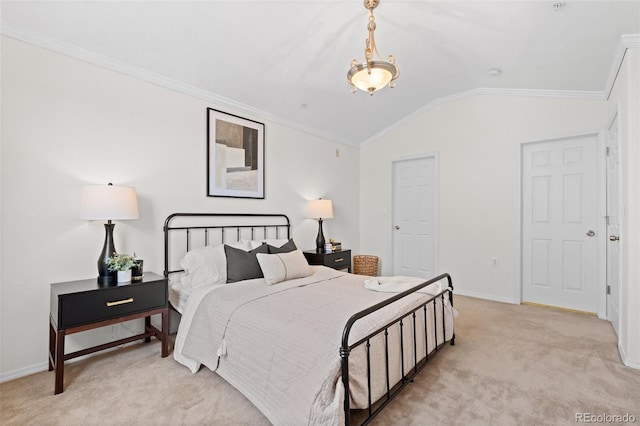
[
  {"x": 374, "y": 77},
  {"x": 320, "y": 209},
  {"x": 108, "y": 202}
]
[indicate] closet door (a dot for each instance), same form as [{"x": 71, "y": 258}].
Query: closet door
[
  {"x": 415, "y": 225},
  {"x": 560, "y": 223}
]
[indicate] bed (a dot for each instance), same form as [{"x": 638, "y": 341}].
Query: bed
[{"x": 305, "y": 344}]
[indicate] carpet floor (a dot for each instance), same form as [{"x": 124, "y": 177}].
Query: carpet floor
[{"x": 511, "y": 365}]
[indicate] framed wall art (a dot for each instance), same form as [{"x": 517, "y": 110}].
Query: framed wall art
[{"x": 235, "y": 156}]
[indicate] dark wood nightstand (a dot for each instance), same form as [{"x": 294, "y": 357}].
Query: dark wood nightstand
[
  {"x": 336, "y": 259},
  {"x": 84, "y": 305}
]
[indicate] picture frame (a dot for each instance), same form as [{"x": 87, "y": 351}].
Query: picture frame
[{"x": 235, "y": 156}]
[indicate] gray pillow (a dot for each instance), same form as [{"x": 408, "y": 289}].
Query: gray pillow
[
  {"x": 243, "y": 265},
  {"x": 285, "y": 248}
]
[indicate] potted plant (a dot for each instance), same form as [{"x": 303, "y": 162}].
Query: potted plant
[{"x": 121, "y": 263}]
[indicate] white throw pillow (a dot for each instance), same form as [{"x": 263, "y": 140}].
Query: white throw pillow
[
  {"x": 204, "y": 265},
  {"x": 283, "y": 266}
]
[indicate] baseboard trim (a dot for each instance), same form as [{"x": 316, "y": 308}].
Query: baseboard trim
[
  {"x": 37, "y": 368},
  {"x": 632, "y": 363},
  {"x": 485, "y": 297},
  {"x": 16, "y": 374},
  {"x": 560, "y": 308}
]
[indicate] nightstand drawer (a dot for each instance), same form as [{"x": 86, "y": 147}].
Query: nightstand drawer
[
  {"x": 336, "y": 260},
  {"x": 77, "y": 309},
  {"x": 339, "y": 260}
]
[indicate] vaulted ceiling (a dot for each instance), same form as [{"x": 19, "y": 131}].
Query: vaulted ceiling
[{"x": 286, "y": 61}]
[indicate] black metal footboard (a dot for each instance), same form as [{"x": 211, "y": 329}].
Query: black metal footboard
[{"x": 392, "y": 389}]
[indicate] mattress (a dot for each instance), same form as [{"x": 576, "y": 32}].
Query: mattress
[
  {"x": 178, "y": 295},
  {"x": 279, "y": 345}
]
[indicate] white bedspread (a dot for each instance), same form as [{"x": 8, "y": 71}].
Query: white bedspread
[{"x": 279, "y": 344}]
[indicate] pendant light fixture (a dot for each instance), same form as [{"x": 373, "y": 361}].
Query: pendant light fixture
[{"x": 372, "y": 75}]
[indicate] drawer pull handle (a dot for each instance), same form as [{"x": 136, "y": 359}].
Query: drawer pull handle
[
  {"x": 120, "y": 302},
  {"x": 339, "y": 260}
]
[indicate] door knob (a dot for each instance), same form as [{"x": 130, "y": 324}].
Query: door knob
[
  {"x": 613, "y": 238},
  {"x": 590, "y": 233},
  {"x": 397, "y": 227}
]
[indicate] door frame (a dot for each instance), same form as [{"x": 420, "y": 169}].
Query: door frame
[
  {"x": 615, "y": 116},
  {"x": 601, "y": 160},
  {"x": 391, "y": 223}
]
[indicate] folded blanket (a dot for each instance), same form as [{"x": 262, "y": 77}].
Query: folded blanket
[{"x": 398, "y": 284}]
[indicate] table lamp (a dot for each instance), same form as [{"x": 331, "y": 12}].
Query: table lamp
[
  {"x": 320, "y": 209},
  {"x": 108, "y": 202}
]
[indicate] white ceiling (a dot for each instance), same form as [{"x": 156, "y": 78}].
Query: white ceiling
[{"x": 286, "y": 61}]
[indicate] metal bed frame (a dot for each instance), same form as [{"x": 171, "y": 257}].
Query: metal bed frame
[
  {"x": 275, "y": 223},
  {"x": 407, "y": 377}
]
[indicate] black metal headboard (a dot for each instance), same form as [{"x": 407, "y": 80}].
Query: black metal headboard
[{"x": 191, "y": 230}]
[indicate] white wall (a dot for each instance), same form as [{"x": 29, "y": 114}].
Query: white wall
[
  {"x": 66, "y": 123},
  {"x": 478, "y": 140},
  {"x": 626, "y": 97}
]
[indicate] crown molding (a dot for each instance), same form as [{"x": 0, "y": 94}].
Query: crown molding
[
  {"x": 631, "y": 41},
  {"x": 67, "y": 49},
  {"x": 55, "y": 45},
  {"x": 558, "y": 94},
  {"x": 627, "y": 41}
]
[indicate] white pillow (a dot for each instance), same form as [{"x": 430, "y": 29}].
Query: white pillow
[
  {"x": 204, "y": 265},
  {"x": 273, "y": 243},
  {"x": 283, "y": 266},
  {"x": 245, "y": 245}
]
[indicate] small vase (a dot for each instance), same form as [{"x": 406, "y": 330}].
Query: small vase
[
  {"x": 124, "y": 276},
  {"x": 136, "y": 271}
]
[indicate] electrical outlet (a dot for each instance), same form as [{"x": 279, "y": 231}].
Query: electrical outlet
[{"x": 495, "y": 262}]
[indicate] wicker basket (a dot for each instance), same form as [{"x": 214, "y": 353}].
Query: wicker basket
[{"x": 364, "y": 264}]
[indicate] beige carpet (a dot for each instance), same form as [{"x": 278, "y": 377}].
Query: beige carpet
[{"x": 510, "y": 365}]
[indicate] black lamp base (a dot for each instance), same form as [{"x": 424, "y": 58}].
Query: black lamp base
[
  {"x": 105, "y": 276},
  {"x": 320, "y": 238}
]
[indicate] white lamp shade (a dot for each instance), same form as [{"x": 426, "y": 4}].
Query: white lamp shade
[
  {"x": 108, "y": 202},
  {"x": 320, "y": 209}
]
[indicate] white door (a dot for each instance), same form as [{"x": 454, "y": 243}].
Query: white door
[
  {"x": 415, "y": 242},
  {"x": 560, "y": 192},
  {"x": 613, "y": 223}
]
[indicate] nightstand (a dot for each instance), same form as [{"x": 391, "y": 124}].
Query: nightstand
[
  {"x": 84, "y": 305},
  {"x": 336, "y": 259}
]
